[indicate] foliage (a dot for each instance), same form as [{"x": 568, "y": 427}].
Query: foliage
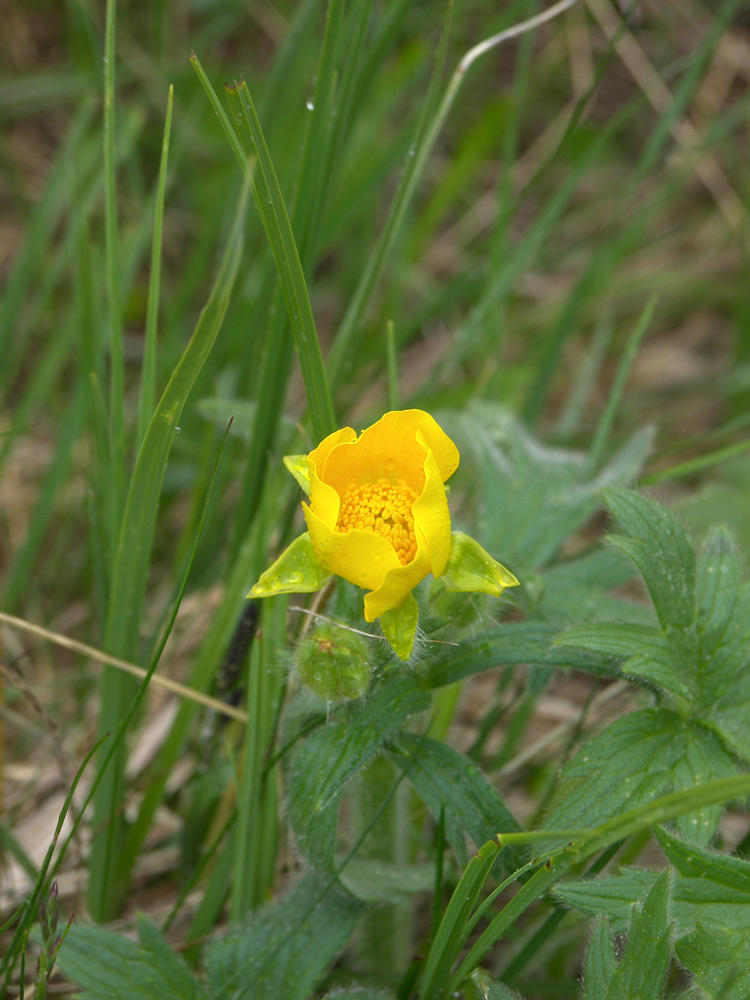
[{"x": 528, "y": 258}]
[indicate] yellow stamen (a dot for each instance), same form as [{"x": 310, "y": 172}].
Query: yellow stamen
[{"x": 384, "y": 508}]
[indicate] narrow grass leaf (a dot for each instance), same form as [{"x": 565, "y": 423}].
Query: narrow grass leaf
[
  {"x": 604, "y": 426},
  {"x": 148, "y": 376},
  {"x": 449, "y": 938},
  {"x": 130, "y": 569},
  {"x": 272, "y": 210}
]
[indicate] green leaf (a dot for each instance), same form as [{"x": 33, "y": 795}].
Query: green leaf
[
  {"x": 285, "y": 948},
  {"x": 660, "y": 547},
  {"x": 627, "y": 764},
  {"x": 485, "y": 989},
  {"x": 296, "y": 571},
  {"x": 327, "y": 760},
  {"x": 704, "y": 661},
  {"x": 470, "y": 568},
  {"x": 297, "y": 466},
  {"x": 644, "y": 965},
  {"x": 130, "y": 571},
  {"x": 269, "y": 201},
  {"x": 575, "y": 590},
  {"x": 638, "y": 757},
  {"x": 719, "y": 958},
  {"x": 514, "y": 643},
  {"x": 399, "y": 626},
  {"x": 107, "y": 966},
  {"x": 448, "y": 782},
  {"x": 361, "y": 993},
  {"x": 713, "y": 889},
  {"x": 532, "y": 497},
  {"x": 373, "y": 880},
  {"x": 601, "y": 966},
  {"x": 648, "y": 652},
  {"x": 724, "y": 641}
]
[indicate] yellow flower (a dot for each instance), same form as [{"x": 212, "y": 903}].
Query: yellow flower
[{"x": 378, "y": 517}]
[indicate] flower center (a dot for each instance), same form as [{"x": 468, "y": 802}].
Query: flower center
[{"x": 384, "y": 508}]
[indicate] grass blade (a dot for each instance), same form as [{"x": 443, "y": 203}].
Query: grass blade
[
  {"x": 148, "y": 377},
  {"x": 130, "y": 569}
]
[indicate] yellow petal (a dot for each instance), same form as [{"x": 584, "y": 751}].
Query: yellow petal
[
  {"x": 360, "y": 557},
  {"x": 390, "y": 448},
  {"x": 431, "y": 515},
  {"x": 397, "y": 583}
]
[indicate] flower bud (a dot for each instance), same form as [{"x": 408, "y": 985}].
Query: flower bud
[{"x": 334, "y": 663}]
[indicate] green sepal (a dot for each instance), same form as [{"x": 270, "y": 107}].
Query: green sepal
[
  {"x": 297, "y": 465},
  {"x": 296, "y": 571},
  {"x": 399, "y": 626},
  {"x": 470, "y": 568}
]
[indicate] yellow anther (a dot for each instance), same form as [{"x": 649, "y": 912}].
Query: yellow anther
[{"x": 385, "y": 509}]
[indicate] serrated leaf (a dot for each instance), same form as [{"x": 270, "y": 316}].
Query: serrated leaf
[
  {"x": 514, "y": 643},
  {"x": 647, "y": 652},
  {"x": 704, "y": 660},
  {"x": 644, "y": 965},
  {"x": 706, "y": 887},
  {"x": 635, "y": 759},
  {"x": 575, "y": 590},
  {"x": 612, "y": 896},
  {"x": 705, "y": 758},
  {"x": 334, "y": 753},
  {"x": 641, "y": 972},
  {"x": 724, "y": 642},
  {"x": 107, "y": 966},
  {"x": 601, "y": 966},
  {"x": 286, "y": 946},
  {"x": 659, "y": 545},
  {"x": 626, "y": 765},
  {"x": 447, "y": 781},
  {"x": 532, "y": 497},
  {"x": 719, "y": 958}
]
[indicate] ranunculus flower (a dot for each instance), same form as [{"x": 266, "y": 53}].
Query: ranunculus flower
[{"x": 378, "y": 517}]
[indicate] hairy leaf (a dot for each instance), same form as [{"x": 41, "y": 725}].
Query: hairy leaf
[
  {"x": 719, "y": 958},
  {"x": 644, "y": 964},
  {"x": 515, "y": 643},
  {"x": 707, "y": 888},
  {"x": 337, "y": 751},
  {"x": 637, "y": 758},
  {"x": 447, "y": 781},
  {"x": 659, "y": 545},
  {"x": 286, "y": 946},
  {"x": 108, "y": 966}
]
